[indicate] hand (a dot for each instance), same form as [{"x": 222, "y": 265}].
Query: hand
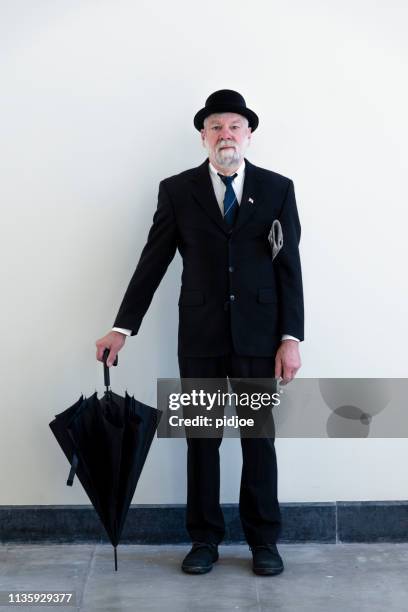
[
  {"x": 114, "y": 341},
  {"x": 287, "y": 361}
]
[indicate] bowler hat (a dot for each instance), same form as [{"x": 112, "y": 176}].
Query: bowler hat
[{"x": 225, "y": 101}]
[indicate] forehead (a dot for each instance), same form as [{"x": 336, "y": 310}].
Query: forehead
[{"x": 225, "y": 118}]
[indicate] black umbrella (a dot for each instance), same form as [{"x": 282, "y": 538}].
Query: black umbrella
[{"x": 106, "y": 442}]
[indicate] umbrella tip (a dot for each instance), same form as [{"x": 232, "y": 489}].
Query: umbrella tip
[{"x": 116, "y": 558}]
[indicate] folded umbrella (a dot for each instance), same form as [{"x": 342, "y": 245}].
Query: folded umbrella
[
  {"x": 275, "y": 238},
  {"x": 106, "y": 441}
]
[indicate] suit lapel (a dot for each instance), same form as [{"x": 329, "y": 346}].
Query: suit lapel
[
  {"x": 250, "y": 196},
  {"x": 203, "y": 193}
]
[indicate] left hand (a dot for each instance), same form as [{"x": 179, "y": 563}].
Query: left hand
[{"x": 287, "y": 361}]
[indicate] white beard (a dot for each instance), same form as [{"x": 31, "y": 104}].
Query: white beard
[{"x": 227, "y": 157}]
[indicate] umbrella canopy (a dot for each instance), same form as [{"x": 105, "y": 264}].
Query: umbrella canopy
[{"x": 106, "y": 442}]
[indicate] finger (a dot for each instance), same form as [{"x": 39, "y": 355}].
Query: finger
[
  {"x": 287, "y": 374},
  {"x": 111, "y": 357},
  {"x": 100, "y": 351}
]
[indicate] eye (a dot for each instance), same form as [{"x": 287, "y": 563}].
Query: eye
[{"x": 215, "y": 127}]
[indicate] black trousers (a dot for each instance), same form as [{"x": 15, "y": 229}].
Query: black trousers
[{"x": 258, "y": 502}]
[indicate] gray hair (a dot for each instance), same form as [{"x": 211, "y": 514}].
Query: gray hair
[{"x": 212, "y": 114}]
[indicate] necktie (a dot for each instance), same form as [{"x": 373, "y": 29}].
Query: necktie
[{"x": 230, "y": 199}]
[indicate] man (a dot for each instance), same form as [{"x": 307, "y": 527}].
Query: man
[{"x": 240, "y": 313}]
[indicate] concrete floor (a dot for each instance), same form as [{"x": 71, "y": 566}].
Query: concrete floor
[{"x": 329, "y": 577}]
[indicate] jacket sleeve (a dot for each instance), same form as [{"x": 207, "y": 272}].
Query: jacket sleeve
[
  {"x": 156, "y": 256},
  {"x": 288, "y": 273}
]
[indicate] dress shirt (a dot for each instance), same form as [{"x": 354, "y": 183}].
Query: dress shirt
[
  {"x": 219, "y": 186},
  {"x": 219, "y": 190}
]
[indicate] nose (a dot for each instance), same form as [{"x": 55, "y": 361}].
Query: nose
[{"x": 225, "y": 133}]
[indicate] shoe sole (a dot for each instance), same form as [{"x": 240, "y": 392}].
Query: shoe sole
[
  {"x": 263, "y": 571},
  {"x": 198, "y": 569}
]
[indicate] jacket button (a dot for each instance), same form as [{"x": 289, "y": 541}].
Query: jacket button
[
  {"x": 231, "y": 269},
  {"x": 232, "y": 297}
]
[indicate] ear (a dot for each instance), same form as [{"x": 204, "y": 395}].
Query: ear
[
  {"x": 202, "y": 132},
  {"x": 249, "y": 135}
]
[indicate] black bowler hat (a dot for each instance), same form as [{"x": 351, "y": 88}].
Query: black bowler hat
[{"x": 225, "y": 101}]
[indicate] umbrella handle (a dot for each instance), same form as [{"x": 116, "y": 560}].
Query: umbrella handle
[{"x": 105, "y": 367}]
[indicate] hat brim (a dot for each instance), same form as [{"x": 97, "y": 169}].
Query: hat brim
[{"x": 225, "y": 108}]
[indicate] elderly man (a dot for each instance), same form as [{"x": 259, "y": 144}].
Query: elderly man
[{"x": 240, "y": 313}]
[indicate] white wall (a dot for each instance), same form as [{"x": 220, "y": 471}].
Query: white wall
[{"x": 97, "y": 104}]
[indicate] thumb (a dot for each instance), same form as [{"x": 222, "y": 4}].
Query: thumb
[{"x": 278, "y": 367}]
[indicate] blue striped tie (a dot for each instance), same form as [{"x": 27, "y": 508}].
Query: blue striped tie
[{"x": 230, "y": 199}]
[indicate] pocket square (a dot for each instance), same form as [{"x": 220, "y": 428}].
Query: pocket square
[{"x": 275, "y": 238}]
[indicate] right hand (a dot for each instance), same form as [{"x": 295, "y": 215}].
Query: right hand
[{"x": 114, "y": 341}]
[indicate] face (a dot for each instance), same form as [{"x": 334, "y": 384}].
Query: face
[{"x": 226, "y": 137}]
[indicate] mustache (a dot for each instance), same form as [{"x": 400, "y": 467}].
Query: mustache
[{"x": 226, "y": 143}]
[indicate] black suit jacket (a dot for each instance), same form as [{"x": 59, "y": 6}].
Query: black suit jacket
[{"x": 230, "y": 288}]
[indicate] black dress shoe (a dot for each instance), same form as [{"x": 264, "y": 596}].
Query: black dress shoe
[
  {"x": 266, "y": 561},
  {"x": 200, "y": 559}
]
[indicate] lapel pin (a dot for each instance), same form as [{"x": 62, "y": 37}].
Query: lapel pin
[{"x": 250, "y": 200}]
